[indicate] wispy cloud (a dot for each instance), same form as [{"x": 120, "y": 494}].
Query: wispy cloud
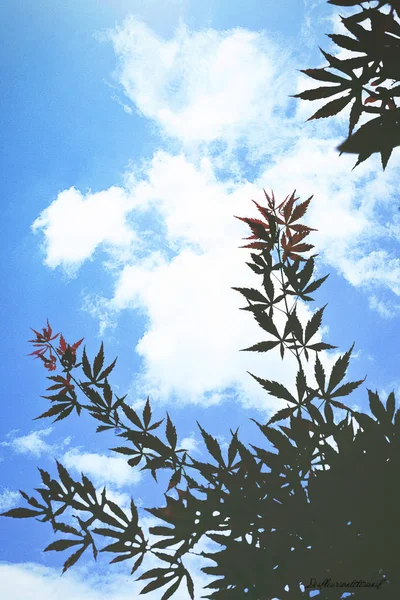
[
  {"x": 33, "y": 443},
  {"x": 8, "y": 499},
  {"x": 100, "y": 468}
]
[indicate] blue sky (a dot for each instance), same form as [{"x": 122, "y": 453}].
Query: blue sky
[{"x": 131, "y": 135}]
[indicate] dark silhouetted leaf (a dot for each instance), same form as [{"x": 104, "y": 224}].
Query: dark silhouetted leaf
[
  {"x": 313, "y": 324},
  {"x": 339, "y": 370},
  {"x": 275, "y": 389},
  {"x": 98, "y": 362},
  {"x": 61, "y": 545},
  {"x": 261, "y": 347},
  {"x": 73, "y": 558},
  {"x": 331, "y": 108},
  {"x": 21, "y": 513}
]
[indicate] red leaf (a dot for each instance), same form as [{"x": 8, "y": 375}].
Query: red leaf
[{"x": 370, "y": 99}]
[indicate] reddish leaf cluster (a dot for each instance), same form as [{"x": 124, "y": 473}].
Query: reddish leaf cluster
[
  {"x": 43, "y": 345},
  {"x": 287, "y": 215}
]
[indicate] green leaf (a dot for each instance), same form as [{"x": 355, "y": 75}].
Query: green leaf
[
  {"x": 315, "y": 414},
  {"x": 73, "y": 558},
  {"x": 98, "y": 362},
  {"x": 212, "y": 446},
  {"x": 124, "y": 450},
  {"x": 21, "y": 513},
  {"x": 108, "y": 532},
  {"x": 154, "y": 585},
  {"x": 132, "y": 415},
  {"x": 328, "y": 413},
  {"x": 251, "y": 294},
  {"x": 170, "y": 432},
  {"x": 346, "y": 42},
  {"x": 266, "y": 323},
  {"x": 295, "y": 326},
  {"x": 147, "y": 413},
  {"x": 321, "y": 346},
  {"x": 319, "y": 93},
  {"x": 261, "y": 347},
  {"x": 65, "y": 413},
  {"x": 282, "y": 414},
  {"x": 301, "y": 384},
  {"x": 278, "y": 439},
  {"x": 86, "y": 365},
  {"x": 376, "y": 406},
  {"x": 315, "y": 285},
  {"x": 65, "y": 477},
  {"x": 275, "y": 389},
  {"x": 54, "y": 410},
  {"x": 117, "y": 511},
  {"x": 107, "y": 370},
  {"x": 339, "y": 370},
  {"x": 331, "y": 108},
  {"x": 319, "y": 374},
  {"x": 323, "y": 75},
  {"x": 171, "y": 591},
  {"x": 61, "y": 545},
  {"x": 346, "y": 65},
  {"x": 189, "y": 583},
  {"x": 314, "y": 324},
  {"x": 347, "y": 388},
  {"x": 390, "y": 406}
]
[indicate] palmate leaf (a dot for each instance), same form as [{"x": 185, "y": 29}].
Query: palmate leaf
[
  {"x": 275, "y": 389},
  {"x": 98, "y": 361},
  {"x": 347, "y": 388},
  {"x": 339, "y": 370},
  {"x": 376, "y": 406},
  {"x": 261, "y": 347},
  {"x": 324, "y": 75},
  {"x": 212, "y": 446},
  {"x": 313, "y": 324},
  {"x": 21, "y": 513},
  {"x": 320, "y": 92},
  {"x": 74, "y": 558},
  {"x": 251, "y": 294},
  {"x": 331, "y": 108},
  {"x": 347, "y": 42},
  {"x": 378, "y": 135},
  {"x": 61, "y": 545},
  {"x": 284, "y": 413}
]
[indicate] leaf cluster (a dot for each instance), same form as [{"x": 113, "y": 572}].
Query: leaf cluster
[
  {"x": 309, "y": 501},
  {"x": 372, "y": 76}
]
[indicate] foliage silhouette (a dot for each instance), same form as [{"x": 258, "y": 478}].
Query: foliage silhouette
[
  {"x": 318, "y": 501},
  {"x": 375, "y": 38}
]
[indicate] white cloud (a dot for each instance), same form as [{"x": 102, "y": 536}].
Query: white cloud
[
  {"x": 75, "y": 224},
  {"x": 387, "y": 310},
  {"x": 8, "y": 499},
  {"x": 206, "y": 85},
  {"x": 35, "y": 582},
  {"x": 103, "y": 470},
  {"x": 33, "y": 443}
]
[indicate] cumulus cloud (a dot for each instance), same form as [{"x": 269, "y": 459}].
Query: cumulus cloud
[
  {"x": 181, "y": 208},
  {"x": 75, "y": 224},
  {"x": 35, "y": 582},
  {"x": 8, "y": 499},
  {"x": 205, "y": 85},
  {"x": 33, "y": 443},
  {"x": 101, "y": 469}
]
